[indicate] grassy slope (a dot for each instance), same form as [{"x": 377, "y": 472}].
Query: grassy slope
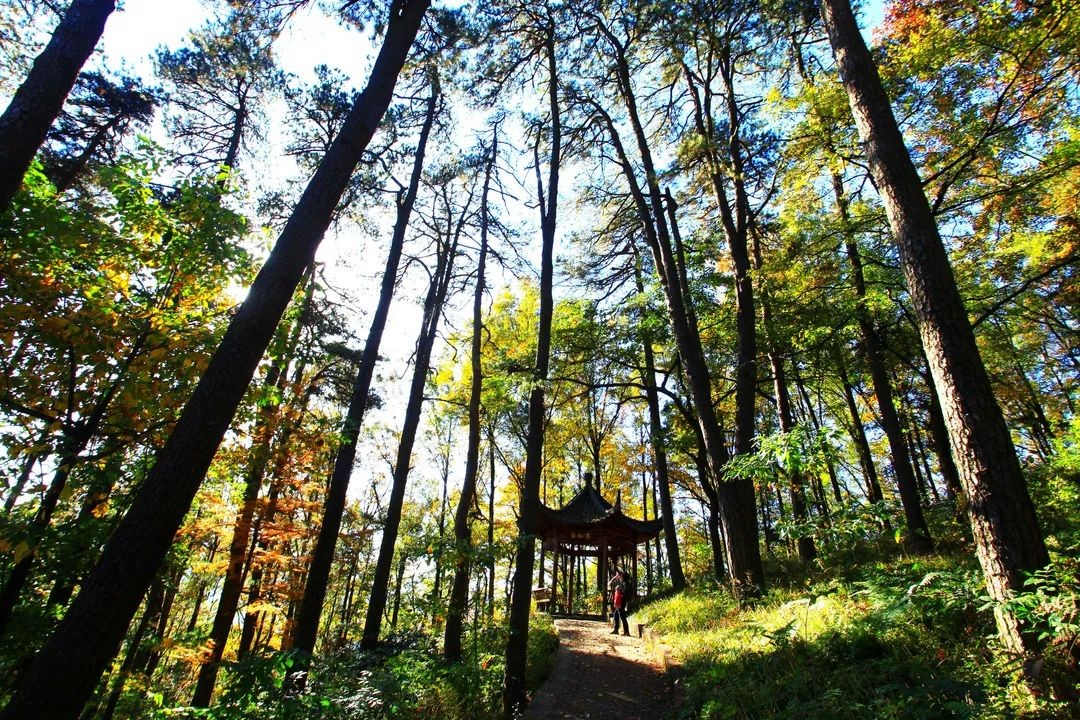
[{"x": 874, "y": 635}]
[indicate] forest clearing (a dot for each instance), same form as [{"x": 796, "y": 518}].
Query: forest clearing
[{"x": 370, "y": 359}]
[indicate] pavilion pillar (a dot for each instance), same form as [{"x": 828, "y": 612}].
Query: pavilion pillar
[
  {"x": 555, "y": 575},
  {"x": 602, "y": 572},
  {"x": 573, "y": 580},
  {"x": 633, "y": 564}
]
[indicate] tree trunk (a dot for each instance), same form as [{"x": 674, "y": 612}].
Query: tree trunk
[
  {"x": 433, "y": 308},
  {"x": 737, "y": 503},
  {"x": 397, "y": 591},
  {"x": 66, "y": 669},
  {"x": 20, "y": 573},
  {"x": 455, "y": 612},
  {"x": 712, "y": 517},
  {"x": 816, "y": 421},
  {"x": 1009, "y": 543},
  {"x": 797, "y": 487},
  {"x": 307, "y": 623},
  {"x": 77, "y": 438},
  {"x": 939, "y": 435},
  {"x": 27, "y": 469},
  {"x": 858, "y": 432},
  {"x": 258, "y": 458},
  {"x": 656, "y": 442},
  {"x": 134, "y": 652},
  {"x": 513, "y": 699},
  {"x": 491, "y": 528},
  {"x": 40, "y": 98}
]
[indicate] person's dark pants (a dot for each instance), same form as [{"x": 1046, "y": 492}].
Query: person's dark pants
[{"x": 620, "y": 612}]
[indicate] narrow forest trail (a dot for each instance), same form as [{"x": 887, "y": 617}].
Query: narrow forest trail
[{"x": 600, "y": 676}]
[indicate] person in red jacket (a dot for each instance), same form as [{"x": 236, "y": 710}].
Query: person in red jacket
[{"x": 617, "y": 584}]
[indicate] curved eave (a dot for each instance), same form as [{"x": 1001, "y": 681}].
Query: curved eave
[{"x": 612, "y": 524}]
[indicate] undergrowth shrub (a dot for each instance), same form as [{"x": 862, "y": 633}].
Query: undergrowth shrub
[
  {"x": 404, "y": 678},
  {"x": 907, "y": 639}
]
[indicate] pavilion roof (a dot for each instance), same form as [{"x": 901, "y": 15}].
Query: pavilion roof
[{"x": 589, "y": 517}]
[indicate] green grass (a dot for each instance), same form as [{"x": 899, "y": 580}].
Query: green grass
[{"x": 891, "y": 638}]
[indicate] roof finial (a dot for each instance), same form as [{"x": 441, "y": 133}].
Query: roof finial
[{"x": 618, "y": 500}]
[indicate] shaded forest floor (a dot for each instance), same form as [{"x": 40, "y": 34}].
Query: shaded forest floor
[{"x": 601, "y": 676}]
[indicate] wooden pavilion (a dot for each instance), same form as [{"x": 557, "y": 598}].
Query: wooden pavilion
[{"x": 589, "y": 526}]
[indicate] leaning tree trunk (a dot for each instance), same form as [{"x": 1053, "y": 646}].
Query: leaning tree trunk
[
  {"x": 38, "y": 101},
  {"x": 433, "y": 309},
  {"x": 918, "y": 536},
  {"x": 737, "y": 502},
  {"x": 66, "y": 669},
  {"x": 656, "y": 442},
  {"x": 455, "y": 612},
  {"x": 513, "y": 699},
  {"x": 258, "y": 458},
  {"x": 1008, "y": 541},
  {"x": 307, "y": 623}
]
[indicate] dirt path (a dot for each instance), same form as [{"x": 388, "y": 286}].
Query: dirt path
[{"x": 599, "y": 676}]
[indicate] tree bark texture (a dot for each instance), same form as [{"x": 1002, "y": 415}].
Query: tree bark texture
[
  {"x": 38, "y": 101},
  {"x": 66, "y": 669},
  {"x": 1008, "y": 540}
]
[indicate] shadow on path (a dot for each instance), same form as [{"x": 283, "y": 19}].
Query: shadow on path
[{"x": 599, "y": 676}]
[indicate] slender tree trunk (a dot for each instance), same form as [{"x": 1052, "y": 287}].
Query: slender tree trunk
[
  {"x": 259, "y": 457},
  {"x": 656, "y": 443},
  {"x": 817, "y": 422},
  {"x": 939, "y": 435},
  {"x": 712, "y": 517},
  {"x": 97, "y": 495},
  {"x": 797, "y": 487},
  {"x": 918, "y": 539},
  {"x": 513, "y": 699},
  {"x": 491, "y": 527},
  {"x": 40, "y": 98},
  {"x": 866, "y": 459},
  {"x": 1009, "y": 543},
  {"x": 436, "y": 588},
  {"x": 455, "y": 612},
  {"x": 135, "y": 650},
  {"x": 433, "y": 308},
  {"x": 656, "y": 542},
  {"x": 807, "y": 551},
  {"x": 66, "y": 669},
  {"x": 396, "y": 606},
  {"x": 307, "y": 624},
  {"x": 20, "y": 573},
  {"x": 24, "y": 473},
  {"x": 74, "y": 444}
]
